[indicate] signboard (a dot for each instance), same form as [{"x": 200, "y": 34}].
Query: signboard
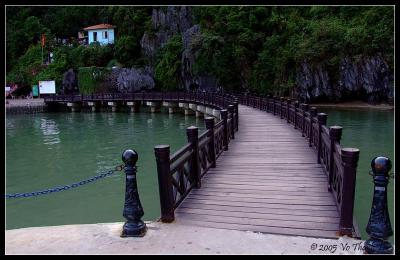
[
  {"x": 47, "y": 87},
  {"x": 35, "y": 91},
  {"x": 8, "y": 89}
]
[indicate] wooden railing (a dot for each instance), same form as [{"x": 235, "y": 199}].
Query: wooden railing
[
  {"x": 182, "y": 171},
  {"x": 215, "y": 100},
  {"x": 339, "y": 163}
]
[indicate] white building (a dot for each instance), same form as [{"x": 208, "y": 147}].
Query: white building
[{"x": 101, "y": 33}]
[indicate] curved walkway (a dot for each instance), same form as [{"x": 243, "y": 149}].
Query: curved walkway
[{"x": 268, "y": 181}]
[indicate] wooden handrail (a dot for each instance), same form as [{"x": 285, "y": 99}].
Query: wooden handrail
[{"x": 340, "y": 169}]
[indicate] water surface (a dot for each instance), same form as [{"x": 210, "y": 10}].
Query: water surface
[{"x": 51, "y": 149}]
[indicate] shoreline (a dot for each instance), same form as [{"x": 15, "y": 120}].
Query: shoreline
[{"x": 354, "y": 105}]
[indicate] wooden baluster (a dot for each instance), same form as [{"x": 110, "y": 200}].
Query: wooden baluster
[
  {"x": 192, "y": 133},
  {"x": 349, "y": 162},
  {"x": 313, "y": 114},
  {"x": 288, "y": 101},
  {"x": 236, "y": 104},
  {"x": 167, "y": 202},
  {"x": 282, "y": 107},
  {"x": 322, "y": 117},
  {"x": 231, "y": 110},
  {"x": 335, "y": 133},
  {"x": 296, "y": 109},
  {"x": 305, "y": 109},
  {"x": 224, "y": 118},
  {"x": 209, "y": 121}
]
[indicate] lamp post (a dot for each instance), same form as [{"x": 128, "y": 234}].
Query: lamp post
[
  {"x": 133, "y": 210},
  {"x": 379, "y": 227}
]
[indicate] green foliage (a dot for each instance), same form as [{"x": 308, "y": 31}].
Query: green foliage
[
  {"x": 114, "y": 63},
  {"x": 90, "y": 78},
  {"x": 168, "y": 65},
  {"x": 27, "y": 66},
  {"x": 256, "y": 47},
  {"x": 261, "y": 48},
  {"x": 127, "y": 51}
]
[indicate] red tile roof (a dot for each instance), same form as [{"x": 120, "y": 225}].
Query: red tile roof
[{"x": 99, "y": 26}]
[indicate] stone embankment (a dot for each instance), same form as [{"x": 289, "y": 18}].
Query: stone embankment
[{"x": 25, "y": 106}]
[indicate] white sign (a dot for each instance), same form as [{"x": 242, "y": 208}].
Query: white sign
[
  {"x": 47, "y": 87},
  {"x": 8, "y": 89}
]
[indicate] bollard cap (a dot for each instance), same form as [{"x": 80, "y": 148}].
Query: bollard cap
[
  {"x": 130, "y": 157},
  {"x": 381, "y": 165}
]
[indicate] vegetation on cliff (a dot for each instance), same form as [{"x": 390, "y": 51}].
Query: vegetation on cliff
[{"x": 243, "y": 47}]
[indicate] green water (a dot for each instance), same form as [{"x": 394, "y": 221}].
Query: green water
[
  {"x": 372, "y": 132},
  {"x": 47, "y": 150}
]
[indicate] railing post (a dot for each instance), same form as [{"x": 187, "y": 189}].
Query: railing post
[
  {"x": 274, "y": 104},
  {"x": 210, "y": 126},
  {"x": 162, "y": 153},
  {"x": 296, "y": 108},
  {"x": 379, "y": 228},
  {"x": 313, "y": 113},
  {"x": 321, "y": 121},
  {"x": 349, "y": 163},
  {"x": 304, "y": 110},
  {"x": 133, "y": 210},
  {"x": 224, "y": 118},
  {"x": 335, "y": 133},
  {"x": 231, "y": 110},
  {"x": 236, "y": 104},
  {"x": 282, "y": 100},
  {"x": 192, "y": 133},
  {"x": 288, "y": 101}
]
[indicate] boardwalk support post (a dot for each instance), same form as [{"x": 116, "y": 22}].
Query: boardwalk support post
[
  {"x": 321, "y": 121},
  {"x": 282, "y": 100},
  {"x": 210, "y": 126},
  {"x": 133, "y": 210},
  {"x": 192, "y": 133},
  {"x": 379, "y": 227},
  {"x": 349, "y": 163},
  {"x": 162, "y": 153},
  {"x": 224, "y": 118},
  {"x": 335, "y": 133}
]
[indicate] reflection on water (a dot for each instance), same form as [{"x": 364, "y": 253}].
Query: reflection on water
[{"x": 50, "y": 131}]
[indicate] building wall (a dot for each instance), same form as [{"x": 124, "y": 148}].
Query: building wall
[{"x": 100, "y": 39}]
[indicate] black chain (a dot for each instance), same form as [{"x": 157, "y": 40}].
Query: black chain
[{"x": 66, "y": 187}]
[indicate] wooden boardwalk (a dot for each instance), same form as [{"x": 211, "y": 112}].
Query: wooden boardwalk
[{"x": 268, "y": 181}]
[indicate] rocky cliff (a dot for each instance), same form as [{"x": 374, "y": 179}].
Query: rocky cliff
[
  {"x": 368, "y": 79},
  {"x": 167, "y": 22}
]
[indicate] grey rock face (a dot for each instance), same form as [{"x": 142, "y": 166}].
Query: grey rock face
[
  {"x": 133, "y": 80},
  {"x": 191, "y": 39},
  {"x": 165, "y": 24},
  {"x": 69, "y": 83},
  {"x": 368, "y": 79},
  {"x": 312, "y": 83}
]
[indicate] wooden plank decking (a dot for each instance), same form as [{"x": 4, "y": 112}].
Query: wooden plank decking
[{"x": 268, "y": 181}]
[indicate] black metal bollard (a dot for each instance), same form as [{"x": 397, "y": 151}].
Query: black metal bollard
[
  {"x": 379, "y": 227},
  {"x": 133, "y": 210}
]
